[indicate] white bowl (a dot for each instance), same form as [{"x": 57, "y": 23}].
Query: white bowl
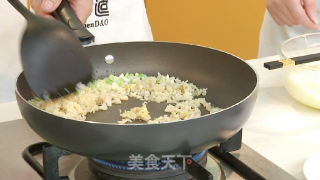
[{"x": 302, "y": 82}]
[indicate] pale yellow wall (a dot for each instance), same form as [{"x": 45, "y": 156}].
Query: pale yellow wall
[{"x": 229, "y": 25}]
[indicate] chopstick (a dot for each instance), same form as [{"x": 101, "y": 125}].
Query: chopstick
[{"x": 292, "y": 61}]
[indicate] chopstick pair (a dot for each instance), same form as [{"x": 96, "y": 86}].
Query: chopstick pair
[{"x": 292, "y": 61}]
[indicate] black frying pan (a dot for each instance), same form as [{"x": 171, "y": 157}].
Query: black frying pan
[{"x": 231, "y": 83}]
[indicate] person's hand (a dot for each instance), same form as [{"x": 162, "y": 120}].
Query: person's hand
[
  {"x": 294, "y": 12},
  {"x": 82, "y": 8}
]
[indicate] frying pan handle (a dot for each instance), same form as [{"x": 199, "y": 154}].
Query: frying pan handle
[
  {"x": 65, "y": 14},
  {"x": 51, "y": 155}
]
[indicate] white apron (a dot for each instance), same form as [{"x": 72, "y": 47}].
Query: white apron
[
  {"x": 272, "y": 35},
  {"x": 110, "y": 21},
  {"x": 119, "y": 21}
]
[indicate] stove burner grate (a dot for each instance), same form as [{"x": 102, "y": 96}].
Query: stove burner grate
[{"x": 95, "y": 169}]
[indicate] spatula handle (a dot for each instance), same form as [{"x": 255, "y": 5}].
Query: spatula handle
[
  {"x": 21, "y": 8},
  {"x": 65, "y": 14}
]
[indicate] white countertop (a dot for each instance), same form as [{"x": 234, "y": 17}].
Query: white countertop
[{"x": 281, "y": 129}]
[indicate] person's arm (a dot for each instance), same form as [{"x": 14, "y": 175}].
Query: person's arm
[
  {"x": 82, "y": 8},
  {"x": 294, "y": 12}
]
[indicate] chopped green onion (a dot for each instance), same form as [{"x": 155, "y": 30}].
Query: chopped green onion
[
  {"x": 108, "y": 81},
  {"x": 37, "y": 98},
  {"x": 111, "y": 77},
  {"x": 141, "y": 76},
  {"x": 119, "y": 81}
]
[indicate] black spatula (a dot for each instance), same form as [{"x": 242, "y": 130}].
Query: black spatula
[{"x": 52, "y": 57}]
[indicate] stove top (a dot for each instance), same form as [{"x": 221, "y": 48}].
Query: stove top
[{"x": 16, "y": 136}]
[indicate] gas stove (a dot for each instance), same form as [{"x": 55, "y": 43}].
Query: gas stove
[{"x": 229, "y": 160}]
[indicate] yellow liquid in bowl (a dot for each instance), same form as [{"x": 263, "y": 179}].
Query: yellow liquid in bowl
[{"x": 303, "y": 84}]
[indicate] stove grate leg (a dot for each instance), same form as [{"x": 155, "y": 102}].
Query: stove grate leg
[{"x": 51, "y": 155}]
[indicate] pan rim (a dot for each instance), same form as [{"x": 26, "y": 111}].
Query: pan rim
[{"x": 164, "y": 123}]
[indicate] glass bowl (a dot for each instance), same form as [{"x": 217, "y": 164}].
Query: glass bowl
[
  {"x": 301, "y": 45},
  {"x": 302, "y": 82}
]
